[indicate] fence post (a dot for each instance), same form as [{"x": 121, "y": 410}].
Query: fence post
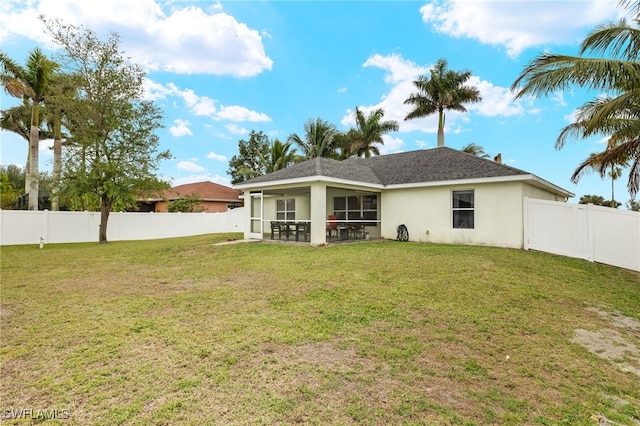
[
  {"x": 44, "y": 237},
  {"x": 525, "y": 219},
  {"x": 591, "y": 241}
]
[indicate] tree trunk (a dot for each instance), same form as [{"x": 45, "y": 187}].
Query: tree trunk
[
  {"x": 57, "y": 165},
  {"x": 105, "y": 209},
  {"x": 34, "y": 137},
  {"x": 27, "y": 167},
  {"x": 441, "y": 129},
  {"x": 613, "y": 179}
]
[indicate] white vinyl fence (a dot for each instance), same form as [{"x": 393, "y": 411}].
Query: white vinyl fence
[
  {"x": 34, "y": 227},
  {"x": 594, "y": 233}
]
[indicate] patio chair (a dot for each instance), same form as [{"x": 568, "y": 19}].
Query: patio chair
[
  {"x": 276, "y": 227},
  {"x": 332, "y": 226},
  {"x": 355, "y": 231},
  {"x": 303, "y": 229}
]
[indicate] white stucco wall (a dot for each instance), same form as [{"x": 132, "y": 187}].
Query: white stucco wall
[{"x": 498, "y": 213}]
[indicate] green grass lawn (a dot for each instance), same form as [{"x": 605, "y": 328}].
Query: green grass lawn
[{"x": 183, "y": 331}]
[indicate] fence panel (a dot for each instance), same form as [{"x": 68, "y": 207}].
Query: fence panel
[
  {"x": 29, "y": 227},
  {"x": 616, "y": 237},
  {"x": 594, "y": 233}
]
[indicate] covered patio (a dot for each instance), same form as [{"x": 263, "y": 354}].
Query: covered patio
[{"x": 315, "y": 213}]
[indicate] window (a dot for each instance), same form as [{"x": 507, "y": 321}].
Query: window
[
  {"x": 286, "y": 209},
  {"x": 356, "y": 207},
  {"x": 463, "y": 209}
]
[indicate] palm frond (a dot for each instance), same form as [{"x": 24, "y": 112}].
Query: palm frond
[
  {"x": 548, "y": 73},
  {"x": 617, "y": 39}
]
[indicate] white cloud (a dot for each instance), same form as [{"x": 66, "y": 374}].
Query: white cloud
[
  {"x": 160, "y": 36},
  {"x": 421, "y": 143},
  {"x": 517, "y": 25},
  {"x": 398, "y": 69},
  {"x": 199, "y": 105},
  {"x": 400, "y": 74},
  {"x": 342, "y": 90},
  {"x": 496, "y": 100},
  {"x": 218, "y": 157},
  {"x": 203, "y": 105},
  {"x": 190, "y": 166},
  {"x": 391, "y": 145},
  {"x": 558, "y": 98},
  {"x": 239, "y": 113},
  {"x": 180, "y": 129},
  {"x": 236, "y": 130}
]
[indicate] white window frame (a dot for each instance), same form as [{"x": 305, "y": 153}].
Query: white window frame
[
  {"x": 455, "y": 209},
  {"x": 283, "y": 215},
  {"x": 359, "y": 211}
]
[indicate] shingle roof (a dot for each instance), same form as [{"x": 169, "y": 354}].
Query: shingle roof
[
  {"x": 208, "y": 191},
  {"x": 428, "y": 165}
]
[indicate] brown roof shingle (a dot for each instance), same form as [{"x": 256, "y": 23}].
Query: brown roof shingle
[{"x": 208, "y": 191}]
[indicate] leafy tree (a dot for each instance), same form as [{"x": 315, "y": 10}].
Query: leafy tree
[
  {"x": 613, "y": 69},
  {"x": 633, "y": 205},
  {"x": 8, "y": 193},
  {"x": 368, "y": 132},
  {"x": 443, "y": 90},
  {"x": 114, "y": 151},
  {"x": 319, "y": 139},
  {"x": 598, "y": 200},
  {"x": 31, "y": 83},
  {"x": 252, "y": 160},
  {"x": 188, "y": 204},
  {"x": 475, "y": 149},
  {"x": 15, "y": 174}
]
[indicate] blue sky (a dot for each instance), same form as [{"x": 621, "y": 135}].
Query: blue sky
[{"x": 222, "y": 69}]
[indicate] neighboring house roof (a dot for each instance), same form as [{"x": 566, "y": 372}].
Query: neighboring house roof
[
  {"x": 429, "y": 166},
  {"x": 208, "y": 191}
]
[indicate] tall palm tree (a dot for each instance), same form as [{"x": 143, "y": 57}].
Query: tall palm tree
[
  {"x": 29, "y": 82},
  {"x": 282, "y": 155},
  {"x": 62, "y": 88},
  {"x": 368, "y": 132},
  {"x": 475, "y": 149},
  {"x": 17, "y": 119},
  {"x": 443, "y": 90},
  {"x": 613, "y": 69},
  {"x": 319, "y": 139}
]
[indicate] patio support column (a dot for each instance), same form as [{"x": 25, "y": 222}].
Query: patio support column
[
  {"x": 247, "y": 214},
  {"x": 318, "y": 213}
]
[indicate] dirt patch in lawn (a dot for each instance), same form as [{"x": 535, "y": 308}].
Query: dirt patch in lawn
[{"x": 618, "y": 344}]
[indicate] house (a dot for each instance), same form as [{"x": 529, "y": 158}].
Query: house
[
  {"x": 215, "y": 198},
  {"x": 441, "y": 195}
]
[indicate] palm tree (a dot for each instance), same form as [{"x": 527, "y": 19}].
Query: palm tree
[
  {"x": 368, "y": 132},
  {"x": 592, "y": 163},
  {"x": 443, "y": 90},
  {"x": 282, "y": 155},
  {"x": 29, "y": 82},
  {"x": 17, "y": 119},
  {"x": 61, "y": 89},
  {"x": 475, "y": 149},
  {"x": 614, "y": 69},
  {"x": 319, "y": 140}
]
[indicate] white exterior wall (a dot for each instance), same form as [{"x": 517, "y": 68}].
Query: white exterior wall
[{"x": 498, "y": 213}]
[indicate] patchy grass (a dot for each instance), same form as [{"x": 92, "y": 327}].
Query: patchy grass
[{"x": 183, "y": 331}]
